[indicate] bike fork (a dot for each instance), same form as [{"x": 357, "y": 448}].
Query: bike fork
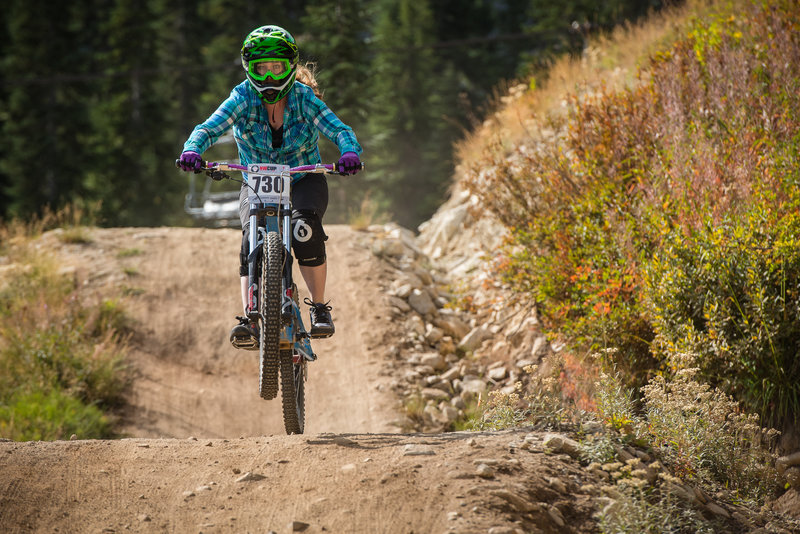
[{"x": 252, "y": 267}]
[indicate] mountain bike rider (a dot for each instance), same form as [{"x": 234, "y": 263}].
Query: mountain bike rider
[{"x": 276, "y": 116}]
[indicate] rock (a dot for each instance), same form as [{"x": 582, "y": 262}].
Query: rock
[
  {"x": 388, "y": 247},
  {"x": 557, "y": 484},
  {"x": 498, "y": 374},
  {"x": 539, "y": 347},
  {"x": 348, "y": 468},
  {"x": 504, "y": 530},
  {"x": 144, "y": 518},
  {"x": 434, "y": 394},
  {"x": 446, "y": 346},
  {"x": 250, "y": 477},
  {"x": 484, "y": 471},
  {"x": 523, "y": 363},
  {"x": 434, "y": 334},
  {"x": 452, "y": 325},
  {"x": 788, "y": 504},
  {"x": 403, "y": 291},
  {"x": 399, "y": 303},
  {"x": 421, "y": 302},
  {"x": 443, "y": 226},
  {"x": 298, "y": 526},
  {"x": 556, "y": 516},
  {"x": 784, "y": 462},
  {"x": 473, "y": 339},
  {"x": 434, "y": 359},
  {"x": 514, "y": 500},
  {"x": 413, "y": 449},
  {"x": 717, "y": 510},
  {"x": 562, "y": 444},
  {"x": 449, "y": 413},
  {"x": 472, "y": 388},
  {"x": 416, "y": 324},
  {"x": 450, "y": 374}
]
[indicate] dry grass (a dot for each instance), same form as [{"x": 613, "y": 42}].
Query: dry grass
[{"x": 610, "y": 62}]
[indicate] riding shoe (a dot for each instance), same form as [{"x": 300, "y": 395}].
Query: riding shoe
[
  {"x": 321, "y": 321},
  {"x": 244, "y": 335}
]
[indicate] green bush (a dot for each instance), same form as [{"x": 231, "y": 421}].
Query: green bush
[
  {"x": 730, "y": 294},
  {"x": 61, "y": 360},
  {"x": 665, "y": 216},
  {"x": 54, "y": 415}
]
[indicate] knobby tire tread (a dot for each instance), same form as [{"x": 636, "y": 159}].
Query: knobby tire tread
[
  {"x": 270, "y": 302},
  {"x": 293, "y": 393}
]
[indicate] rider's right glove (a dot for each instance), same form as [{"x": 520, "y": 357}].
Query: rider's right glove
[{"x": 190, "y": 161}]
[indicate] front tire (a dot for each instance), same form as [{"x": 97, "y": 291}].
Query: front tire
[
  {"x": 293, "y": 377},
  {"x": 270, "y": 308}
]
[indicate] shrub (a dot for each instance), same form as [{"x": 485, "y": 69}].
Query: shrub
[
  {"x": 55, "y": 415},
  {"x": 730, "y": 293},
  {"x": 702, "y": 434},
  {"x": 668, "y": 211},
  {"x": 61, "y": 361}
]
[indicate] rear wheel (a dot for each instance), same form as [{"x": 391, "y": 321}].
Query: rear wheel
[
  {"x": 293, "y": 377},
  {"x": 270, "y": 304}
]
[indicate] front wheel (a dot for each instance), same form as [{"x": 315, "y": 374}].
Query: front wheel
[
  {"x": 270, "y": 308},
  {"x": 293, "y": 377}
]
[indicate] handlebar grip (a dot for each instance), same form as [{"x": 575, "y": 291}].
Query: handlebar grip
[
  {"x": 201, "y": 169},
  {"x": 359, "y": 168}
]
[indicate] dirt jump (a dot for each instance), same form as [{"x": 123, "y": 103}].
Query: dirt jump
[{"x": 204, "y": 453}]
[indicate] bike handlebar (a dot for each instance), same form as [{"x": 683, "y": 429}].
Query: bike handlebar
[{"x": 223, "y": 166}]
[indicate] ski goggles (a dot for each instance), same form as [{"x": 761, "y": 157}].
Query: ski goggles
[{"x": 274, "y": 68}]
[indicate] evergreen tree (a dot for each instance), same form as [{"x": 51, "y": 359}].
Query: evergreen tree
[
  {"x": 44, "y": 111},
  {"x": 132, "y": 135},
  {"x": 409, "y": 133},
  {"x": 333, "y": 36}
]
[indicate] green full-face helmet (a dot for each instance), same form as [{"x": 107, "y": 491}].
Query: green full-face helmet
[{"x": 269, "y": 57}]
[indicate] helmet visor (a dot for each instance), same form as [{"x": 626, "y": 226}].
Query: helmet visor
[{"x": 269, "y": 68}]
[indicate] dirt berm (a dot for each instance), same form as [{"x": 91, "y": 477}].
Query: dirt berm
[{"x": 206, "y": 454}]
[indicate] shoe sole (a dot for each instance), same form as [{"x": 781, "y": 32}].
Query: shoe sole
[
  {"x": 317, "y": 334},
  {"x": 245, "y": 343}
]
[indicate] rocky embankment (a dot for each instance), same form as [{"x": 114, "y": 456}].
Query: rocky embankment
[
  {"x": 458, "y": 334},
  {"x": 462, "y": 335}
]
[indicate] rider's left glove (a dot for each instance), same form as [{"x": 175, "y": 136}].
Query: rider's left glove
[
  {"x": 349, "y": 163},
  {"x": 190, "y": 161}
]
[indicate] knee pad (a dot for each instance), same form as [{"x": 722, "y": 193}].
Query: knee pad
[{"x": 308, "y": 238}]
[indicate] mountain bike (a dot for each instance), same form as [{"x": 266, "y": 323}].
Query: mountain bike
[{"x": 284, "y": 345}]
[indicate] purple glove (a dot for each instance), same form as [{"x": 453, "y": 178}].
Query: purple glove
[
  {"x": 190, "y": 161},
  {"x": 349, "y": 163}
]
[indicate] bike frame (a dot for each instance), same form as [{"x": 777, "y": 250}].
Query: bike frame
[{"x": 268, "y": 217}]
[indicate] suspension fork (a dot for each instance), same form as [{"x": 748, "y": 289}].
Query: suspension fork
[
  {"x": 286, "y": 308},
  {"x": 252, "y": 265}
]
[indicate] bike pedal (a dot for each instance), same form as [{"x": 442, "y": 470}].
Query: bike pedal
[{"x": 320, "y": 335}]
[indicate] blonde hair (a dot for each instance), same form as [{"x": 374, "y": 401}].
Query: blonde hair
[{"x": 306, "y": 74}]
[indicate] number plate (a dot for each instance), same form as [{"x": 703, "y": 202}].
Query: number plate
[{"x": 268, "y": 183}]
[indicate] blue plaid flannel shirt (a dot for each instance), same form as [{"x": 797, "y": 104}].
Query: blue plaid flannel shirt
[{"x": 304, "y": 117}]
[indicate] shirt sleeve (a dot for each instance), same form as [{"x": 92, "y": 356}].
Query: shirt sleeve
[
  {"x": 206, "y": 134},
  {"x": 330, "y": 125}
]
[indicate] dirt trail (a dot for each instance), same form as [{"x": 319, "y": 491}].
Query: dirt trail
[
  {"x": 193, "y": 383},
  {"x": 197, "y": 425}
]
